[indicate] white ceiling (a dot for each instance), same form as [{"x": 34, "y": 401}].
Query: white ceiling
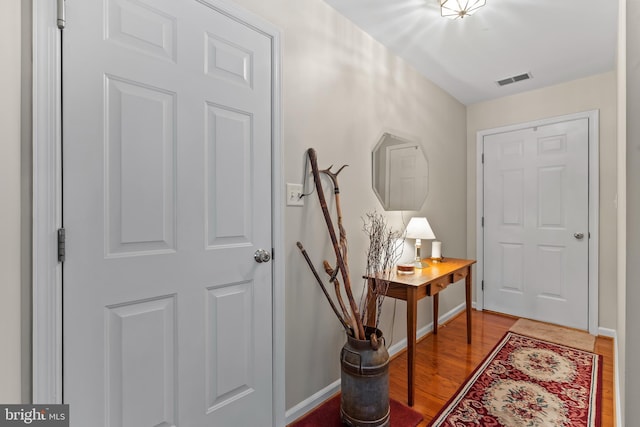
[{"x": 554, "y": 40}]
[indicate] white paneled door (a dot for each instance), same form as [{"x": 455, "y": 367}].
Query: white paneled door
[
  {"x": 536, "y": 218},
  {"x": 167, "y": 196}
]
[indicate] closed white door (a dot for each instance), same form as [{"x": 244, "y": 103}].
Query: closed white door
[
  {"x": 536, "y": 218},
  {"x": 167, "y": 196}
]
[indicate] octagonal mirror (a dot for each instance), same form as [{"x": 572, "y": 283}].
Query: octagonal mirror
[{"x": 400, "y": 173}]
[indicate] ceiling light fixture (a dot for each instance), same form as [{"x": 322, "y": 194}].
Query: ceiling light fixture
[{"x": 454, "y": 9}]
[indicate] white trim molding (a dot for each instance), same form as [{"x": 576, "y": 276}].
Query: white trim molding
[
  {"x": 47, "y": 203},
  {"x": 47, "y": 272},
  {"x": 278, "y": 203},
  {"x": 616, "y": 381},
  {"x": 607, "y": 332},
  {"x": 593, "y": 117},
  {"x": 613, "y": 334}
]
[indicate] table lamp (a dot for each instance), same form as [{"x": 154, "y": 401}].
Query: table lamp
[{"x": 419, "y": 228}]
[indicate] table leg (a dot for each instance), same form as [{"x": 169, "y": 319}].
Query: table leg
[
  {"x": 436, "y": 305},
  {"x": 467, "y": 282},
  {"x": 412, "y": 318}
]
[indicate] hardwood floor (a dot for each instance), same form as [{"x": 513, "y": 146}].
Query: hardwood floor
[{"x": 444, "y": 361}]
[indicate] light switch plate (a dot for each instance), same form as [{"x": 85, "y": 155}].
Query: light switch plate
[{"x": 294, "y": 195}]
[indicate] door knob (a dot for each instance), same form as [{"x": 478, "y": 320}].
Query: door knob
[
  {"x": 578, "y": 236},
  {"x": 262, "y": 256}
]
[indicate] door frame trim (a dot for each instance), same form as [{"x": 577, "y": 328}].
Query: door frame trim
[
  {"x": 47, "y": 218},
  {"x": 47, "y": 203},
  {"x": 593, "y": 117}
]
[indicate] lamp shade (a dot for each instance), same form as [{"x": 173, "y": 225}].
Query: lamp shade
[{"x": 419, "y": 228}]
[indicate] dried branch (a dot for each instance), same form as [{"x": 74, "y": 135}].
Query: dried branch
[
  {"x": 336, "y": 283},
  {"x": 347, "y": 328},
  {"x": 341, "y": 265},
  {"x": 382, "y": 255},
  {"x": 336, "y": 192}
]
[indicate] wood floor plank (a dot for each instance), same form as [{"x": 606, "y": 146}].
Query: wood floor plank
[{"x": 445, "y": 360}]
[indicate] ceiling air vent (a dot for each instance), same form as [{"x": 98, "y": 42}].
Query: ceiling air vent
[{"x": 514, "y": 79}]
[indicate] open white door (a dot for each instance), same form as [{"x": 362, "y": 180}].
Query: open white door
[{"x": 167, "y": 112}]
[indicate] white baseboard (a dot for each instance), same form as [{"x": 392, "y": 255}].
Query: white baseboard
[
  {"x": 312, "y": 402},
  {"x": 606, "y": 332},
  {"x": 612, "y": 333},
  {"x": 321, "y": 396},
  {"x": 616, "y": 381}
]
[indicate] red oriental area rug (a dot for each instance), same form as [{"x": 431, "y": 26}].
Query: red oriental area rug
[
  {"x": 529, "y": 382},
  {"x": 328, "y": 415}
]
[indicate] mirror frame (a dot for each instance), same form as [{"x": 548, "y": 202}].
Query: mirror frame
[{"x": 380, "y": 170}]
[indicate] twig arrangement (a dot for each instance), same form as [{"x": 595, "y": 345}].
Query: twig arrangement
[{"x": 382, "y": 255}]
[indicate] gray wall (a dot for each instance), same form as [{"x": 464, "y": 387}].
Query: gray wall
[
  {"x": 341, "y": 91},
  {"x": 632, "y": 374}
]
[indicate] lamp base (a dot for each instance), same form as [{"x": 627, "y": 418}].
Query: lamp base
[{"x": 420, "y": 263}]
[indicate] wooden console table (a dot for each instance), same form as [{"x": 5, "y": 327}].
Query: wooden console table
[{"x": 428, "y": 281}]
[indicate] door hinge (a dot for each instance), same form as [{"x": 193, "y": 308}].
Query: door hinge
[
  {"x": 482, "y": 285},
  {"x": 62, "y": 18},
  {"x": 61, "y": 244},
  {"x": 482, "y": 222},
  {"x": 482, "y": 158}
]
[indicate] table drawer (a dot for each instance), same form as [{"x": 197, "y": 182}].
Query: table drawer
[
  {"x": 439, "y": 285},
  {"x": 459, "y": 275}
]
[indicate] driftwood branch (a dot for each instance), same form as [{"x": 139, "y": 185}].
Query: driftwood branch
[
  {"x": 382, "y": 254},
  {"x": 336, "y": 192},
  {"x": 347, "y": 328},
  {"x": 336, "y": 283},
  {"x": 359, "y": 331}
]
